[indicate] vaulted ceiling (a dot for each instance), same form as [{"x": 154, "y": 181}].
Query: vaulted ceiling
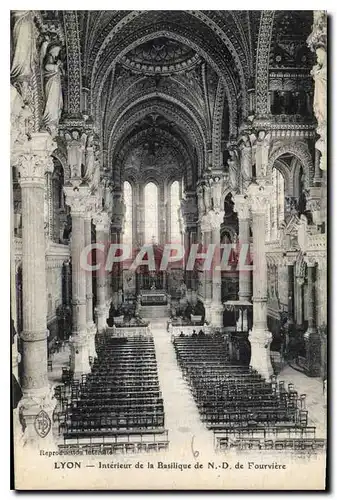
[{"x": 174, "y": 83}]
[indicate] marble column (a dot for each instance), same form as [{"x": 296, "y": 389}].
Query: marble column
[
  {"x": 206, "y": 232},
  {"x": 245, "y": 276},
  {"x": 77, "y": 198},
  {"x": 92, "y": 329},
  {"x": 311, "y": 336},
  {"x": 102, "y": 222},
  {"x": 67, "y": 278},
  {"x": 36, "y": 405},
  {"x": 291, "y": 281},
  {"x": 186, "y": 243},
  {"x": 16, "y": 357},
  {"x": 260, "y": 337},
  {"x": 194, "y": 273},
  {"x": 216, "y": 307}
]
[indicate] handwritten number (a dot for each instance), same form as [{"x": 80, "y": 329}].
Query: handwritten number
[{"x": 195, "y": 452}]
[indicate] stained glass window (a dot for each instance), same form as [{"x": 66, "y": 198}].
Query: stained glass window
[{"x": 151, "y": 213}]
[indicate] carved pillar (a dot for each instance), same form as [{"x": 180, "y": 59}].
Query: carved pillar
[
  {"x": 92, "y": 329},
  {"x": 66, "y": 286},
  {"x": 15, "y": 354},
  {"x": 290, "y": 321},
  {"x": 194, "y": 273},
  {"x": 260, "y": 337},
  {"x": 245, "y": 275},
  {"x": 77, "y": 198},
  {"x": 217, "y": 307},
  {"x": 206, "y": 238},
  {"x": 117, "y": 228},
  {"x": 48, "y": 207},
  {"x": 102, "y": 222},
  {"x": 32, "y": 165},
  {"x": 311, "y": 337},
  {"x": 289, "y": 325}
]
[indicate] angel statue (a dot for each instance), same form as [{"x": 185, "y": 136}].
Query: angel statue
[
  {"x": 207, "y": 197},
  {"x": 201, "y": 205},
  {"x": 233, "y": 165},
  {"x": 217, "y": 192},
  {"x": 24, "y": 48},
  {"x": 52, "y": 71},
  {"x": 89, "y": 162}
]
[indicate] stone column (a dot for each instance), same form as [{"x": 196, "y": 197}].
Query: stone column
[
  {"x": 77, "y": 198},
  {"x": 36, "y": 405},
  {"x": 291, "y": 275},
  {"x": 245, "y": 276},
  {"x": 311, "y": 337},
  {"x": 194, "y": 273},
  {"x": 13, "y": 300},
  {"x": 102, "y": 222},
  {"x": 206, "y": 232},
  {"x": 92, "y": 329},
  {"x": 259, "y": 337},
  {"x": 48, "y": 207},
  {"x": 216, "y": 307},
  {"x": 186, "y": 243},
  {"x": 67, "y": 279}
]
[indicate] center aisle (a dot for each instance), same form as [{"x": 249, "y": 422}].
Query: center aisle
[{"x": 186, "y": 431}]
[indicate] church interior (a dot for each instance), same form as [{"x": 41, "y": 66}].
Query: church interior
[{"x": 190, "y": 128}]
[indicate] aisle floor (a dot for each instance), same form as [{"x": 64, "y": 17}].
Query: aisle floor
[{"x": 186, "y": 431}]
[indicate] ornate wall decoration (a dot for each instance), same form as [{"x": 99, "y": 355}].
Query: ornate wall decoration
[
  {"x": 168, "y": 96},
  {"x": 298, "y": 149},
  {"x": 162, "y": 109},
  {"x": 175, "y": 34},
  {"x": 73, "y": 62},
  {"x": 262, "y": 62},
  {"x": 217, "y": 124}
]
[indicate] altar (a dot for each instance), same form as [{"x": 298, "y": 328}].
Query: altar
[{"x": 153, "y": 297}]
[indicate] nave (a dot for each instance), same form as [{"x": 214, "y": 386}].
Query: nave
[{"x": 180, "y": 396}]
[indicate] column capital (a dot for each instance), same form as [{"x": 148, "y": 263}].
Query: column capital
[
  {"x": 310, "y": 261},
  {"x": 242, "y": 206},
  {"x": 259, "y": 197},
  {"x": 216, "y": 219},
  {"x": 35, "y": 159},
  {"x": 102, "y": 221},
  {"x": 78, "y": 199},
  {"x": 288, "y": 261}
]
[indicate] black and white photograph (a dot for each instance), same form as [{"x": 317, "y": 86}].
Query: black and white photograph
[{"x": 168, "y": 254}]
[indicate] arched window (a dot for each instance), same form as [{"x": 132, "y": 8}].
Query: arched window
[
  {"x": 276, "y": 209},
  {"x": 175, "y": 218},
  {"x": 127, "y": 237},
  {"x": 151, "y": 213}
]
